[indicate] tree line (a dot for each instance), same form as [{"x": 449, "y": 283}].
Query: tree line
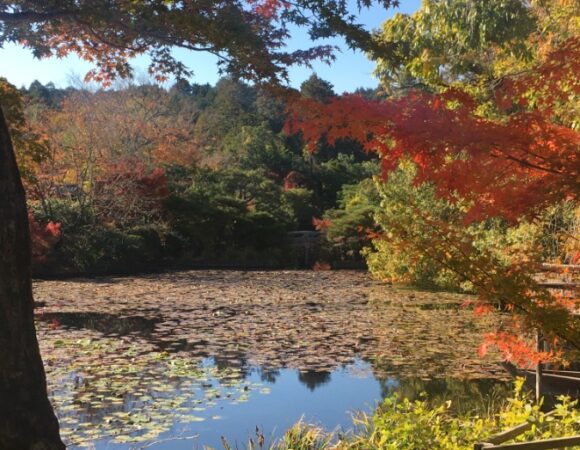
[{"x": 139, "y": 177}]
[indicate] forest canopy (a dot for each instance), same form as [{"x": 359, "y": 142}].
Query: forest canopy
[{"x": 137, "y": 174}]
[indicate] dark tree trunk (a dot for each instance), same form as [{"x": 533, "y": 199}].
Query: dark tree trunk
[{"x": 27, "y": 421}]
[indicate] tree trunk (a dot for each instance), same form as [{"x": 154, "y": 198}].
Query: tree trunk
[{"x": 27, "y": 421}]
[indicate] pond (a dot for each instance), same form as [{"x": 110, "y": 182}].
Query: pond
[{"x": 178, "y": 360}]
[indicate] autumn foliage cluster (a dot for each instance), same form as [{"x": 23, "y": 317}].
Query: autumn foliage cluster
[
  {"x": 43, "y": 237},
  {"x": 508, "y": 167},
  {"x": 489, "y": 131}
]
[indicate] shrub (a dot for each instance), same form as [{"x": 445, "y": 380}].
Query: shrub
[
  {"x": 348, "y": 227},
  {"x": 406, "y": 214},
  {"x": 402, "y": 424},
  {"x": 389, "y": 258}
]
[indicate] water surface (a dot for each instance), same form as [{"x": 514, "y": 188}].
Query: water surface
[{"x": 136, "y": 360}]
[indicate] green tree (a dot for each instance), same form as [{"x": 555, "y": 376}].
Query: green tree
[
  {"x": 317, "y": 89},
  {"x": 349, "y": 225},
  {"x": 232, "y": 107},
  {"x": 259, "y": 147}
]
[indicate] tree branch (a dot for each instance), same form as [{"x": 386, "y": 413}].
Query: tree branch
[{"x": 33, "y": 16}]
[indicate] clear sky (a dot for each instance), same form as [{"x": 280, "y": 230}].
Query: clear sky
[{"x": 349, "y": 71}]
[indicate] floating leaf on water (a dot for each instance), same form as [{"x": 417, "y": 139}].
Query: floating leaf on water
[
  {"x": 275, "y": 327},
  {"x": 190, "y": 418}
]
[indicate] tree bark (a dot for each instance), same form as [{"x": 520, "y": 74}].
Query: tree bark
[{"x": 27, "y": 420}]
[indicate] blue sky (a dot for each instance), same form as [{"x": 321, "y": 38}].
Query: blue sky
[{"x": 349, "y": 71}]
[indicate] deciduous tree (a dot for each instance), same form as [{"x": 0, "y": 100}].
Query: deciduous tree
[{"x": 484, "y": 104}]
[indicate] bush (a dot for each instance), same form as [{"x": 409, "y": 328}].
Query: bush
[
  {"x": 298, "y": 204},
  {"x": 406, "y": 215},
  {"x": 347, "y": 227},
  {"x": 230, "y": 215},
  {"x": 402, "y": 424},
  {"x": 260, "y": 230},
  {"x": 389, "y": 258},
  {"x": 98, "y": 249},
  {"x": 85, "y": 245}
]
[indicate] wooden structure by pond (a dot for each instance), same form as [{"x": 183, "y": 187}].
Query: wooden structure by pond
[
  {"x": 545, "y": 444},
  {"x": 497, "y": 441},
  {"x": 556, "y": 381},
  {"x": 552, "y": 382},
  {"x": 545, "y": 381}
]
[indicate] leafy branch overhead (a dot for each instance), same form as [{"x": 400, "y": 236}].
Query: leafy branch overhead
[{"x": 249, "y": 37}]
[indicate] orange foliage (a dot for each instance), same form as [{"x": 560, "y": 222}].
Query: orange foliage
[
  {"x": 43, "y": 238},
  {"x": 268, "y": 8},
  {"x": 514, "y": 349},
  {"x": 508, "y": 167},
  {"x": 129, "y": 190},
  {"x": 321, "y": 224},
  {"x": 321, "y": 266}
]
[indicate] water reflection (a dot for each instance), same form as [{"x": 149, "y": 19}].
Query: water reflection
[
  {"x": 268, "y": 375},
  {"x": 108, "y": 324},
  {"x": 467, "y": 396},
  {"x": 141, "y": 359},
  {"x": 162, "y": 400},
  {"x": 313, "y": 379}
]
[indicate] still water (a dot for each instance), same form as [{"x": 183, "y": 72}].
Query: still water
[{"x": 180, "y": 360}]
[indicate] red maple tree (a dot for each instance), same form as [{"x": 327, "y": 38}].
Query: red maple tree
[{"x": 511, "y": 165}]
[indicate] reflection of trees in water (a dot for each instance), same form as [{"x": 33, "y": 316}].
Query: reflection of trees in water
[
  {"x": 233, "y": 360},
  {"x": 268, "y": 375},
  {"x": 464, "y": 394},
  {"x": 314, "y": 378},
  {"x": 103, "y": 322},
  {"x": 309, "y": 378},
  {"x": 467, "y": 396}
]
